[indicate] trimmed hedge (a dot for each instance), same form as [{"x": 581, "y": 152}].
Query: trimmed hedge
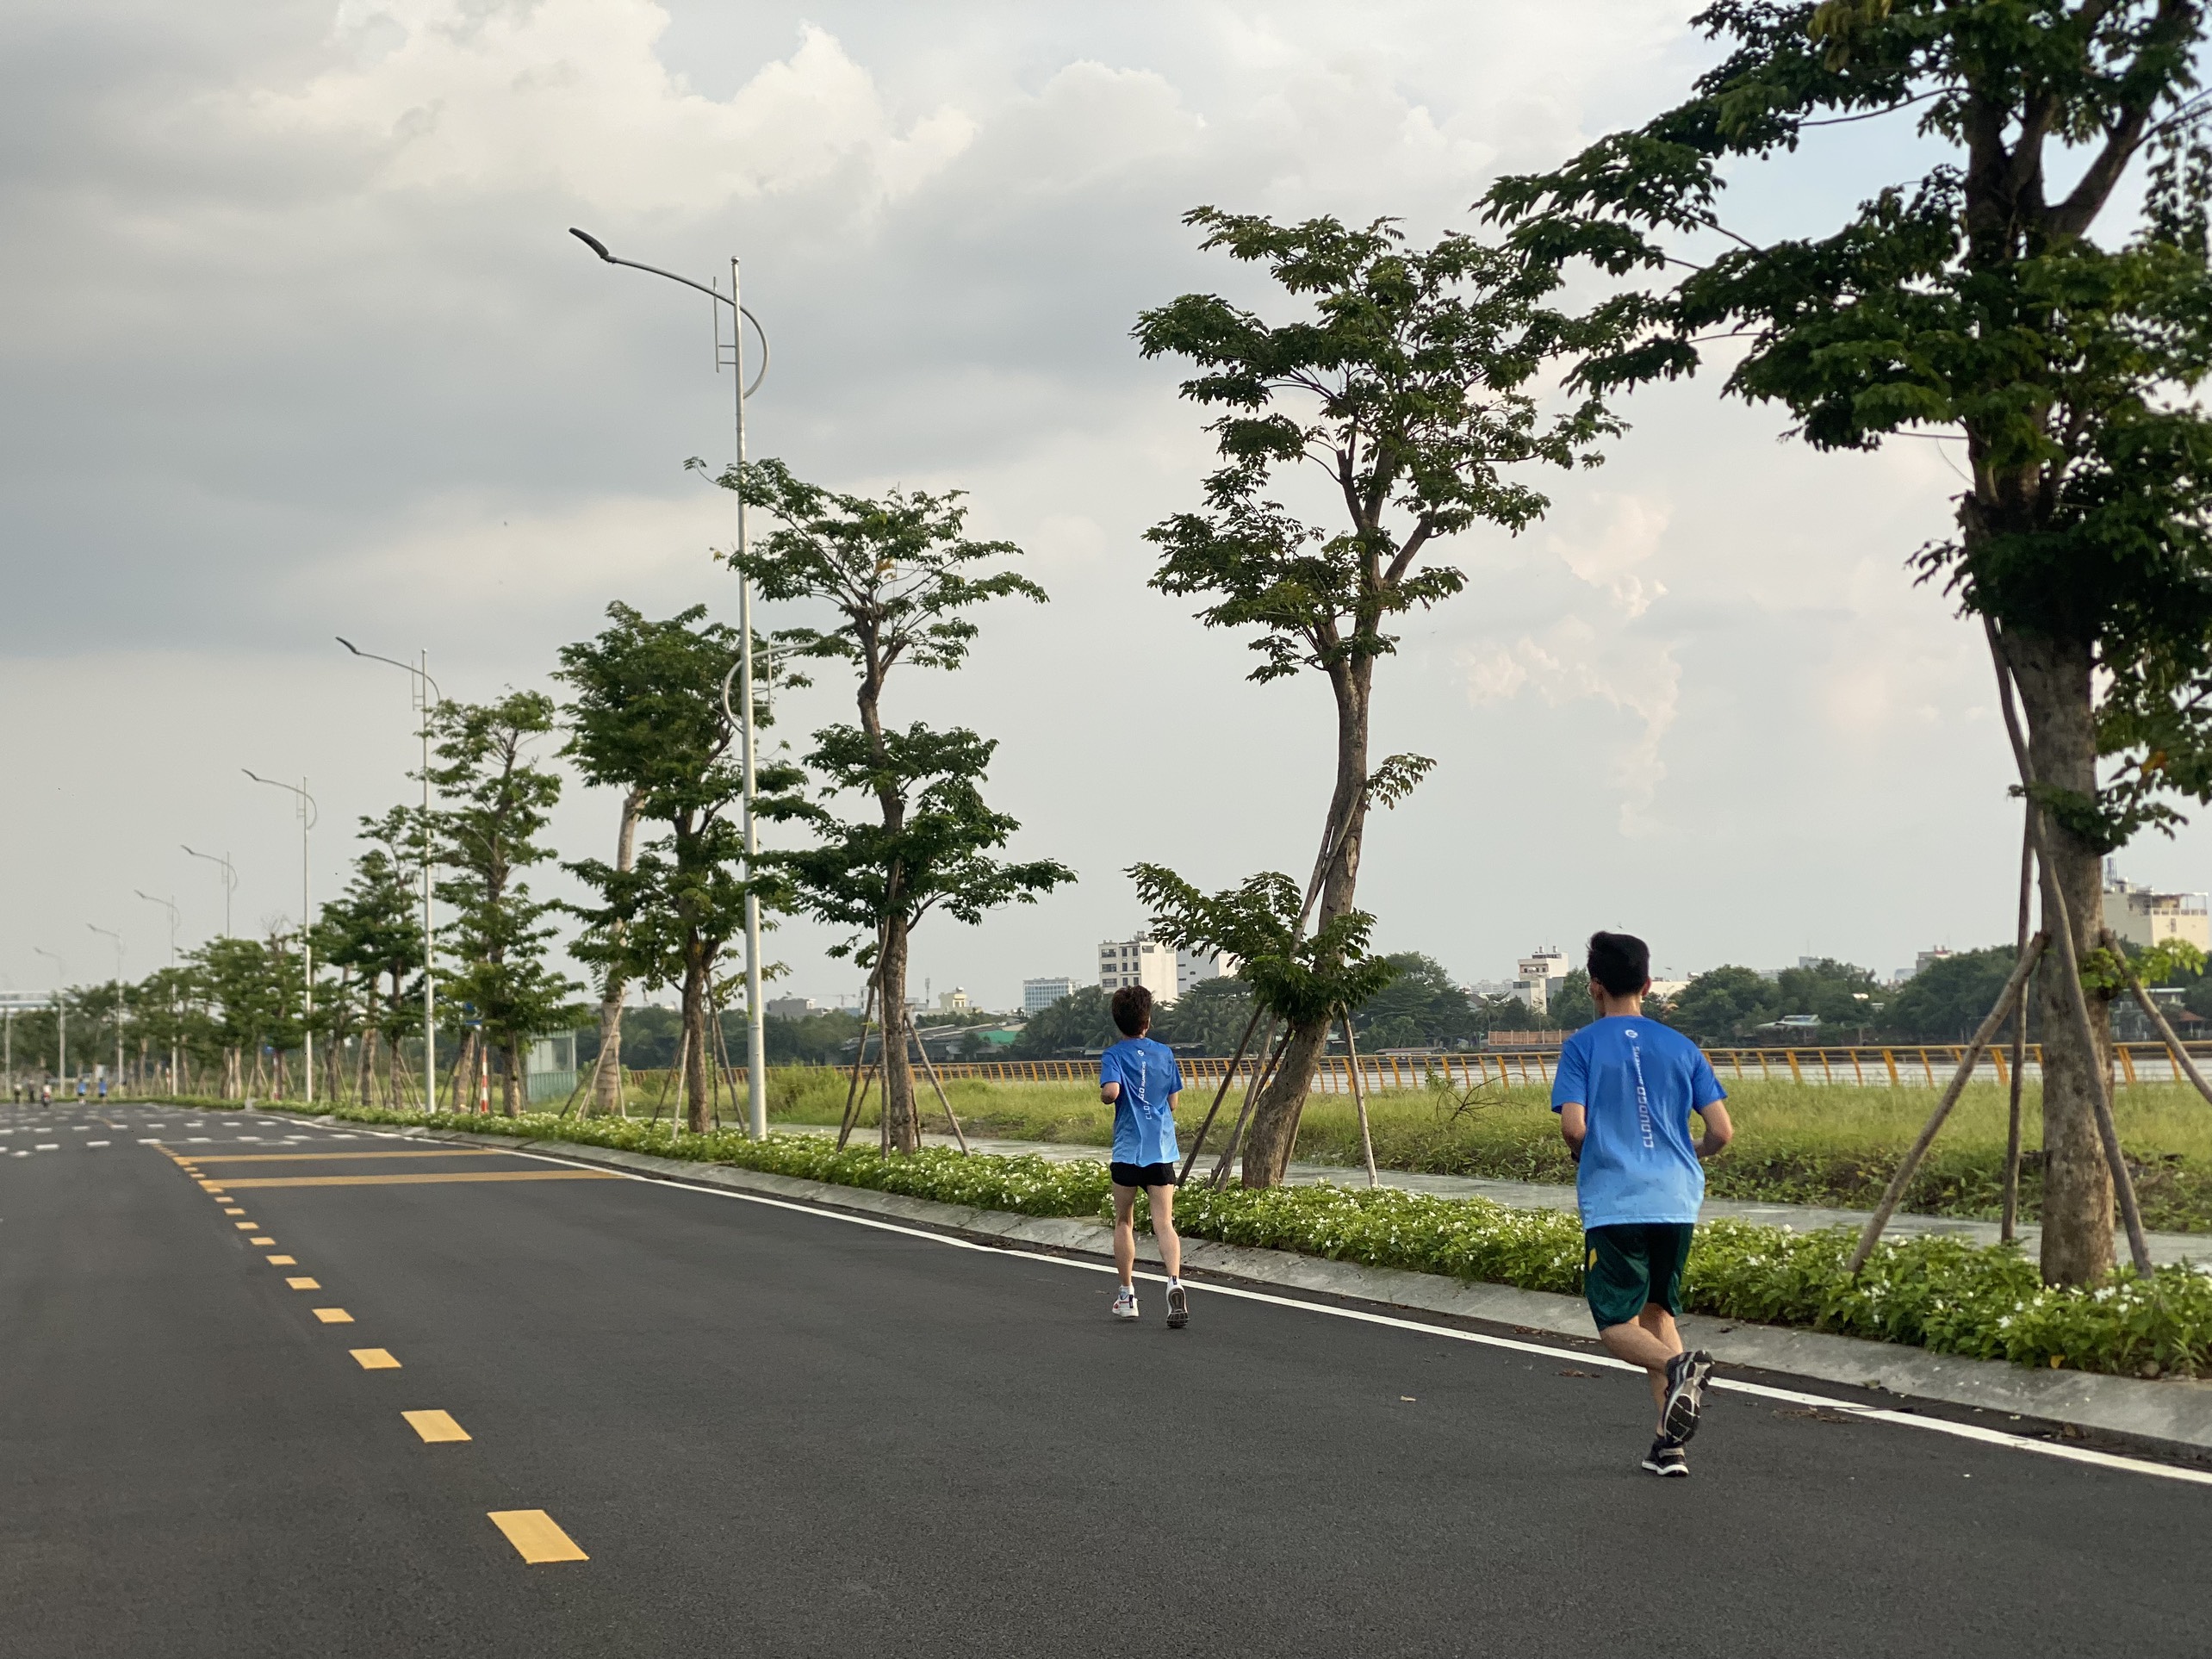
[{"x": 1941, "y": 1293}]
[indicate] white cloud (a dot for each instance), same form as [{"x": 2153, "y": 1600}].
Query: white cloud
[{"x": 571, "y": 96}]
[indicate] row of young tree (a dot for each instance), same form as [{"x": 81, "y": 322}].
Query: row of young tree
[{"x": 1969, "y": 306}]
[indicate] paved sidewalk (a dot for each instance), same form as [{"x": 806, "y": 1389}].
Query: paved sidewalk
[{"x": 1539, "y": 1195}]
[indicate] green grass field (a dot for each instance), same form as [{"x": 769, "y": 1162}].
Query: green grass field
[{"x": 1801, "y": 1143}]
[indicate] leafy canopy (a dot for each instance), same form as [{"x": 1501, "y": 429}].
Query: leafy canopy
[
  {"x": 1406, "y": 382},
  {"x": 1302, "y": 980},
  {"x": 1968, "y": 305}
]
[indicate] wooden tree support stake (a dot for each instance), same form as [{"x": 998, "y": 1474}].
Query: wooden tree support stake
[
  {"x": 1260, "y": 1075},
  {"x": 2008, "y": 1220},
  {"x": 854, "y": 1095},
  {"x": 2186, "y": 1066},
  {"x": 1358, "y": 1099},
  {"x": 2055, "y": 910},
  {"x": 1220, "y": 1094},
  {"x": 1910, "y": 1161},
  {"x": 930, "y": 1067}
]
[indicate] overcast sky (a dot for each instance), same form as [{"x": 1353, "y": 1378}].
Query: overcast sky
[{"x": 296, "y": 345}]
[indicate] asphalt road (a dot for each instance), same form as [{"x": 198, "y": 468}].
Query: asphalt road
[{"x": 774, "y": 1432}]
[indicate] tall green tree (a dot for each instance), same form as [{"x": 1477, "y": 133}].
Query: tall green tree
[
  {"x": 1971, "y": 304},
  {"x": 902, "y": 574},
  {"x": 1420, "y": 1007},
  {"x": 1406, "y": 376},
  {"x": 493, "y": 802},
  {"x": 647, "y": 717},
  {"x": 373, "y": 930}
]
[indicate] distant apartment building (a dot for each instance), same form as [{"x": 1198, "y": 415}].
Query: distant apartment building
[
  {"x": 1140, "y": 961},
  {"x": 955, "y": 1000},
  {"x": 793, "y": 1007},
  {"x": 1193, "y": 969},
  {"x": 1038, "y": 994},
  {"x": 2145, "y": 918},
  {"x": 1537, "y": 977}
]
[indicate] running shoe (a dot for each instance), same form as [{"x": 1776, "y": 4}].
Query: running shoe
[
  {"x": 1125, "y": 1303},
  {"x": 1686, "y": 1376},
  {"x": 1666, "y": 1458},
  {"x": 1178, "y": 1308}
]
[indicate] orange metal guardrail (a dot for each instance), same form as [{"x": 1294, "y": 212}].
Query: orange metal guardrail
[{"x": 1892, "y": 1065}]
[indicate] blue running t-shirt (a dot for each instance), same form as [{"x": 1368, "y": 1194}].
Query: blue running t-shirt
[
  {"x": 1144, "y": 1116},
  {"x": 1637, "y": 1082}
]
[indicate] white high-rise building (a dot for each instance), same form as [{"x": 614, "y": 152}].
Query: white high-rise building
[
  {"x": 1537, "y": 975},
  {"x": 1038, "y": 994},
  {"x": 2145, "y": 918},
  {"x": 1194, "y": 968},
  {"x": 1139, "y": 961}
]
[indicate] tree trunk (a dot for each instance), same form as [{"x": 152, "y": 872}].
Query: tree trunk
[
  {"x": 606, "y": 1077},
  {"x": 696, "y": 1077},
  {"x": 511, "y": 1085},
  {"x": 1275, "y": 1116},
  {"x": 902, "y": 1126},
  {"x": 2056, "y": 697}
]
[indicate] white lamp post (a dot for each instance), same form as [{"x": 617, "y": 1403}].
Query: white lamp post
[
  {"x": 114, "y": 935},
  {"x": 176, "y": 1082},
  {"x": 60, "y": 1014},
  {"x": 230, "y": 882},
  {"x": 756, "y": 1063},
  {"x": 306, "y": 807},
  {"x": 426, "y": 698}
]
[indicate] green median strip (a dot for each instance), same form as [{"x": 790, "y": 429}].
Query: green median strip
[{"x": 1937, "y": 1292}]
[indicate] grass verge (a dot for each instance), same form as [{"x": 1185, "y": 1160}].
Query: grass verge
[{"x": 1943, "y": 1293}]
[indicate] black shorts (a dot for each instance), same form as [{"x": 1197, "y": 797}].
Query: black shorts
[
  {"x": 1143, "y": 1175},
  {"x": 1627, "y": 1269}
]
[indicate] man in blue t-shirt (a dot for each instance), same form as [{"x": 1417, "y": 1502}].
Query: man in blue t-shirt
[
  {"x": 1139, "y": 1079},
  {"x": 1624, "y": 1092}
]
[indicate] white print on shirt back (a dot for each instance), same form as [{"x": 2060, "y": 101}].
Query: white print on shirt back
[{"x": 1642, "y": 1100}]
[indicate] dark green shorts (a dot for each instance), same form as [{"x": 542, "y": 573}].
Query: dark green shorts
[{"x": 1625, "y": 1269}]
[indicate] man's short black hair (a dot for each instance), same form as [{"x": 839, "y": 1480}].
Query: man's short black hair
[
  {"x": 1133, "y": 1010},
  {"x": 1621, "y": 962}
]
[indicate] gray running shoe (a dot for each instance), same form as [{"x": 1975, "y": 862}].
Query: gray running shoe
[
  {"x": 1686, "y": 1376},
  {"x": 1178, "y": 1308}
]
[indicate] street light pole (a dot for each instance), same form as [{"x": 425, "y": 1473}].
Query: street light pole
[
  {"x": 306, "y": 922},
  {"x": 756, "y": 1063},
  {"x": 112, "y": 934},
  {"x": 230, "y": 882},
  {"x": 426, "y": 697},
  {"x": 176, "y": 1084},
  {"x": 60, "y": 1014}
]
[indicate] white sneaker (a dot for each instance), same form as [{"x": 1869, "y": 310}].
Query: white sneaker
[{"x": 1125, "y": 1303}]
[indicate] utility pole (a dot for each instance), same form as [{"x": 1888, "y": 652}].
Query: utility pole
[
  {"x": 176, "y": 1077},
  {"x": 60, "y": 1015},
  {"x": 230, "y": 883},
  {"x": 426, "y": 698},
  {"x": 756, "y": 1063},
  {"x": 307, "y": 808},
  {"x": 119, "y": 1001}
]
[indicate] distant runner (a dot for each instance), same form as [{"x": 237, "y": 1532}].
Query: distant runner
[
  {"x": 1139, "y": 1079},
  {"x": 1624, "y": 1092}
]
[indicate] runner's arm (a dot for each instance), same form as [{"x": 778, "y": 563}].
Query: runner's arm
[
  {"x": 1573, "y": 1126},
  {"x": 1719, "y": 1131},
  {"x": 1109, "y": 1092}
]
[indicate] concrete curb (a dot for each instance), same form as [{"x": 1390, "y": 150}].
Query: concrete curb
[{"x": 2175, "y": 1413}]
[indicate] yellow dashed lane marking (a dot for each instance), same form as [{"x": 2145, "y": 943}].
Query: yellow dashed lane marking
[
  {"x": 233, "y": 1210},
  {"x": 283, "y": 1261},
  {"x": 261, "y": 1241},
  {"x": 535, "y": 1536},
  {"x": 333, "y": 1316},
  {"x": 246, "y": 1226},
  {"x": 375, "y": 1359},
  {"x": 304, "y": 1284},
  {"x": 324, "y": 1158},
  {"x": 435, "y": 1426},
  {"x": 428, "y": 1180}
]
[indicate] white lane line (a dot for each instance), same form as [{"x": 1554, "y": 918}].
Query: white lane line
[
  {"x": 48, "y": 1146},
  {"x": 1577, "y": 1356},
  {"x": 99, "y": 1143}
]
